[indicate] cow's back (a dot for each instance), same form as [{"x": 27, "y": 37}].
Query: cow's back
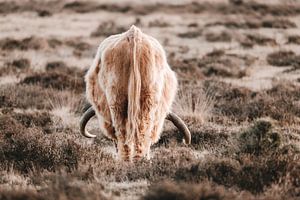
[{"x": 117, "y": 59}]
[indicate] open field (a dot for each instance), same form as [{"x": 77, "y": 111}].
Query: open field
[{"x": 238, "y": 66}]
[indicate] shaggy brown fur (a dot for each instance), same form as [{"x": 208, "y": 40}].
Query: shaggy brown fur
[{"x": 131, "y": 87}]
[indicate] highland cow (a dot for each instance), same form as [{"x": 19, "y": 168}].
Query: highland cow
[{"x": 131, "y": 88}]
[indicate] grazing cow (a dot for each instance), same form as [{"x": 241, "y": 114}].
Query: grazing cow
[{"x": 131, "y": 88}]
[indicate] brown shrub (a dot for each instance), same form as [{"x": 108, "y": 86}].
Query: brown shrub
[
  {"x": 256, "y": 39},
  {"x": 158, "y": 23},
  {"x": 286, "y": 89},
  {"x": 9, "y": 126},
  {"x": 293, "y": 39},
  {"x": 24, "y": 96},
  {"x": 255, "y": 23},
  {"x": 37, "y": 43},
  {"x": 191, "y": 34},
  {"x": 259, "y": 139},
  {"x": 59, "y": 185},
  {"x": 222, "y": 171},
  {"x": 22, "y": 63},
  {"x": 23, "y": 44},
  {"x": 44, "y": 13},
  {"x": 62, "y": 68},
  {"x": 19, "y": 195},
  {"x": 33, "y": 96},
  {"x": 283, "y": 58},
  {"x": 16, "y": 66},
  {"x": 108, "y": 28},
  {"x": 207, "y": 138},
  {"x": 241, "y": 104},
  {"x": 278, "y": 23},
  {"x": 187, "y": 68},
  {"x": 6, "y": 7},
  {"x": 56, "y": 80},
  {"x": 43, "y": 8},
  {"x": 69, "y": 186},
  {"x": 28, "y": 148},
  {"x": 169, "y": 137},
  {"x": 78, "y": 45},
  {"x": 203, "y": 137},
  {"x": 184, "y": 191},
  {"x": 57, "y": 65},
  {"x": 81, "y": 7},
  {"x": 164, "y": 164},
  {"x": 266, "y": 170},
  {"x": 215, "y": 63},
  {"x": 259, "y": 9},
  {"x": 248, "y": 172},
  {"x": 53, "y": 42},
  {"x": 218, "y": 37},
  {"x": 235, "y": 7},
  {"x": 42, "y": 120}
]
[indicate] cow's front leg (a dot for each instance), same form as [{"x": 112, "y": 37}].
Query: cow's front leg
[
  {"x": 149, "y": 104},
  {"x": 118, "y": 110},
  {"x": 124, "y": 149}
]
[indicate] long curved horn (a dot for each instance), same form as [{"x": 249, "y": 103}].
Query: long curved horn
[
  {"x": 88, "y": 114},
  {"x": 177, "y": 121}
]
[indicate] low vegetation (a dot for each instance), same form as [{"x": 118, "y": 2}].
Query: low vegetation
[{"x": 245, "y": 141}]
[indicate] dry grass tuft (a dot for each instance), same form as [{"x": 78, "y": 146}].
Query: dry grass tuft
[{"x": 195, "y": 102}]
